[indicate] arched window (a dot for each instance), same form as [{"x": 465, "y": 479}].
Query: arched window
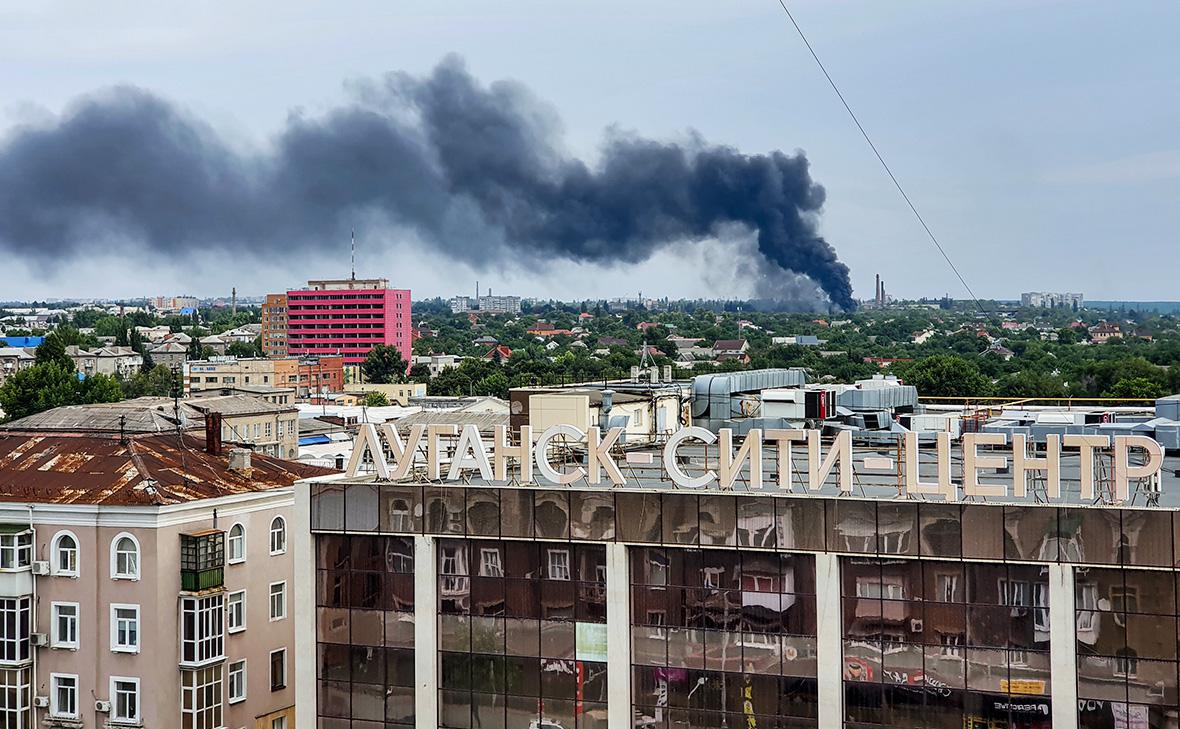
[
  {"x": 125, "y": 558},
  {"x": 236, "y": 551},
  {"x": 278, "y": 535},
  {"x": 65, "y": 554}
]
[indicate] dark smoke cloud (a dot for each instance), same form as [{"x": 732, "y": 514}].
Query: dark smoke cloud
[{"x": 477, "y": 172}]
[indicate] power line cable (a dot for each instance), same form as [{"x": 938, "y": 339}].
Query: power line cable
[{"x": 832, "y": 83}]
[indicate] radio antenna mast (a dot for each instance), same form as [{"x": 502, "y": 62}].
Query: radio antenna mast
[{"x": 354, "y": 254}]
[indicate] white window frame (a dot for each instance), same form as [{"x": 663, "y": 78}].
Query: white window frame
[
  {"x": 235, "y": 667},
  {"x": 280, "y": 533},
  {"x": 55, "y": 639},
  {"x": 207, "y": 641},
  {"x": 195, "y": 685},
  {"x": 55, "y": 710},
  {"x": 490, "y": 563},
  {"x": 278, "y": 722},
  {"x": 229, "y": 541},
  {"x": 282, "y": 596},
  {"x": 16, "y": 551},
  {"x": 550, "y": 564},
  {"x": 115, "y": 717},
  {"x": 115, "y": 574},
  {"x": 53, "y": 555},
  {"x": 229, "y": 612},
  {"x": 116, "y": 646}
]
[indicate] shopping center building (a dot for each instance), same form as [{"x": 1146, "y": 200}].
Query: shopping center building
[{"x": 708, "y": 579}]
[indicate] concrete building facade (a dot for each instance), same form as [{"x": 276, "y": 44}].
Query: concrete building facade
[
  {"x": 151, "y": 592},
  {"x": 274, "y": 326},
  {"x": 348, "y": 318}
]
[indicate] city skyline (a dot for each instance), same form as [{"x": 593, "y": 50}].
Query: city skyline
[{"x": 962, "y": 135}]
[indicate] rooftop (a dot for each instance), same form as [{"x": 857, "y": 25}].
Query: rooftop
[{"x": 140, "y": 470}]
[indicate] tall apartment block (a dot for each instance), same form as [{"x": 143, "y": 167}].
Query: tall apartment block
[
  {"x": 274, "y": 325},
  {"x": 348, "y": 317},
  {"x": 145, "y": 576}
]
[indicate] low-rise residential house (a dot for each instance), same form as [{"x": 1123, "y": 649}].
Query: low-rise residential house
[
  {"x": 436, "y": 363},
  {"x": 150, "y": 577},
  {"x": 800, "y": 340},
  {"x": 245, "y": 334},
  {"x": 607, "y": 342},
  {"x": 922, "y": 337},
  {"x": 121, "y": 361},
  {"x": 214, "y": 343},
  {"x": 731, "y": 349},
  {"x": 545, "y": 329},
  {"x": 169, "y": 354},
  {"x": 501, "y": 352},
  {"x": 999, "y": 350},
  {"x": 1104, "y": 332}
]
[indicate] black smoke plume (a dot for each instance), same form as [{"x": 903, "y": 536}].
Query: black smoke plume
[{"x": 476, "y": 172}]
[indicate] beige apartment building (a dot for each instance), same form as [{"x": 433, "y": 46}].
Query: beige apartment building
[
  {"x": 145, "y": 579},
  {"x": 221, "y": 372}
]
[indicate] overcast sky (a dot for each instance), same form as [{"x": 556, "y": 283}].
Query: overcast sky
[{"x": 1040, "y": 139}]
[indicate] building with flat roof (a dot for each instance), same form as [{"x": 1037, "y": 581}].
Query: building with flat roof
[
  {"x": 348, "y": 317},
  {"x": 274, "y": 326},
  {"x": 1023, "y": 576}
]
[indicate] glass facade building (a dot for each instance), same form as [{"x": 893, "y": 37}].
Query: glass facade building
[{"x": 550, "y": 608}]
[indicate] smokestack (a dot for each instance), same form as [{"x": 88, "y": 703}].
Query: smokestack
[
  {"x": 233, "y": 301},
  {"x": 213, "y": 433},
  {"x": 877, "y": 291}
]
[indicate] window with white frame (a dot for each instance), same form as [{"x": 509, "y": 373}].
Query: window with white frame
[
  {"x": 278, "y": 600},
  {"x": 16, "y": 550},
  {"x": 125, "y": 628},
  {"x": 65, "y": 555},
  {"x": 559, "y": 564},
  {"x": 278, "y": 535},
  {"x": 235, "y": 611},
  {"x": 1086, "y": 605},
  {"x": 202, "y": 629},
  {"x": 279, "y": 722},
  {"x": 490, "y": 564},
  {"x": 15, "y": 697},
  {"x": 278, "y": 669},
  {"x": 125, "y": 558},
  {"x": 236, "y": 544},
  {"x": 237, "y": 681},
  {"x": 63, "y": 696},
  {"x": 64, "y": 625},
  {"x": 15, "y": 613},
  {"x": 201, "y": 700},
  {"x": 125, "y": 700}
]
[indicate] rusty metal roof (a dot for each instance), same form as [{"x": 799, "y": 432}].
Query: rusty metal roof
[{"x": 140, "y": 470}]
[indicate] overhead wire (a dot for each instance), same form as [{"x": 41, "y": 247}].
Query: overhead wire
[{"x": 881, "y": 159}]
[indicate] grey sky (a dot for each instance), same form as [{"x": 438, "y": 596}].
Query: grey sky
[{"x": 1039, "y": 138}]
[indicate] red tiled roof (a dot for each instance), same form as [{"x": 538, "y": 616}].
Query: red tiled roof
[{"x": 141, "y": 470}]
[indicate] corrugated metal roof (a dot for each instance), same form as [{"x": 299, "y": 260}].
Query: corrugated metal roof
[
  {"x": 142, "y": 470},
  {"x": 486, "y": 422}
]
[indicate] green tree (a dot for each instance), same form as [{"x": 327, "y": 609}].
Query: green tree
[
  {"x": 51, "y": 385},
  {"x": 53, "y": 350},
  {"x": 1136, "y": 387},
  {"x": 384, "y": 365},
  {"x": 946, "y": 375},
  {"x": 154, "y": 381},
  {"x": 244, "y": 350},
  {"x": 376, "y": 400}
]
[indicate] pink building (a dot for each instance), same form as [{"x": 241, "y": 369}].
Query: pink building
[{"x": 348, "y": 317}]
